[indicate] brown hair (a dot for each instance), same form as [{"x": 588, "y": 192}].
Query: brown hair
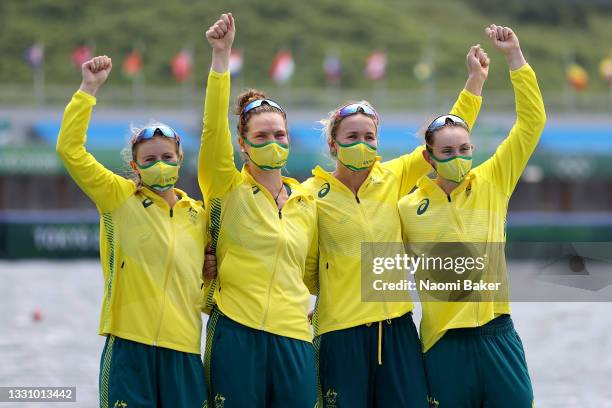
[{"x": 243, "y": 100}]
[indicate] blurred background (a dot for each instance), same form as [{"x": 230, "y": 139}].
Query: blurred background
[{"x": 406, "y": 57}]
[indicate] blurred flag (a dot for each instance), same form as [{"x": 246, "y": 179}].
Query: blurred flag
[
  {"x": 132, "y": 65},
  {"x": 422, "y": 71},
  {"x": 282, "y": 67},
  {"x": 376, "y": 65},
  {"x": 605, "y": 68},
  {"x": 333, "y": 69},
  {"x": 34, "y": 55},
  {"x": 182, "y": 65},
  {"x": 80, "y": 54},
  {"x": 235, "y": 62},
  {"x": 577, "y": 77}
]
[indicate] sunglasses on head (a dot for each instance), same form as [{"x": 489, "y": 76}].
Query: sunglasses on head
[
  {"x": 446, "y": 120},
  {"x": 162, "y": 130},
  {"x": 258, "y": 102},
  {"x": 354, "y": 108}
]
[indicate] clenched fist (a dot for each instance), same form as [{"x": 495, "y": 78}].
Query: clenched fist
[
  {"x": 477, "y": 62},
  {"x": 220, "y": 35},
  {"x": 506, "y": 41},
  {"x": 94, "y": 72}
]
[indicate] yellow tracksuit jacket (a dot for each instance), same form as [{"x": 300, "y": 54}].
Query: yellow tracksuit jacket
[
  {"x": 261, "y": 251},
  {"x": 152, "y": 256},
  {"x": 475, "y": 212},
  {"x": 345, "y": 221}
]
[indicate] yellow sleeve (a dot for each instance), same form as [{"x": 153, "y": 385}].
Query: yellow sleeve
[
  {"x": 311, "y": 272},
  {"x": 467, "y": 107},
  {"x": 504, "y": 168},
  {"x": 105, "y": 188},
  {"x": 217, "y": 172},
  {"x": 409, "y": 168}
]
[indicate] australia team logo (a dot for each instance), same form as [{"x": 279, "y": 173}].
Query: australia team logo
[
  {"x": 193, "y": 214},
  {"x": 330, "y": 398}
]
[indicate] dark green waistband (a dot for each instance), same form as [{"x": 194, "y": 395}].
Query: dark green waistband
[{"x": 500, "y": 325}]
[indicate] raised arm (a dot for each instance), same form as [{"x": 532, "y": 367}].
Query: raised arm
[
  {"x": 413, "y": 165},
  {"x": 504, "y": 168},
  {"x": 216, "y": 169},
  {"x": 469, "y": 102},
  {"x": 105, "y": 188}
]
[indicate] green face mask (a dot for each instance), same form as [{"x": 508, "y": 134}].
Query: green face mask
[
  {"x": 453, "y": 169},
  {"x": 268, "y": 156},
  {"x": 356, "y": 156},
  {"x": 160, "y": 175}
]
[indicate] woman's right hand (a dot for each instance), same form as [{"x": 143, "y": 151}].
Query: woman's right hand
[
  {"x": 220, "y": 35},
  {"x": 477, "y": 62},
  {"x": 209, "y": 271},
  {"x": 94, "y": 73}
]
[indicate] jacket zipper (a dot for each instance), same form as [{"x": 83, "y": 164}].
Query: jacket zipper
[
  {"x": 370, "y": 236},
  {"x": 272, "y": 278},
  {"x": 282, "y": 244},
  {"x": 458, "y": 223},
  {"x": 168, "y": 268}
]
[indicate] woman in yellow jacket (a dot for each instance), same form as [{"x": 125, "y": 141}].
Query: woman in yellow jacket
[
  {"x": 152, "y": 240},
  {"x": 473, "y": 356},
  {"x": 369, "y": 353},
  {"x": 258, "y": 347}
]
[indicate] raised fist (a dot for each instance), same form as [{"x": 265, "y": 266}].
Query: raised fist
[
  {"x": 478, "y": 62},
  {"x": 94, "y": 72},
  {"x": 503, "y": 38},
  {"x": 220, "y": 35}
]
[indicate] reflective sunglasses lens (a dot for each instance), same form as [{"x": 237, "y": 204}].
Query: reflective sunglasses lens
[
  {"x": 348, "y": 110},
  {"x": 354, "y": 108},
  {"x": 166, "y": 131},
  {"x": 274, "y": 104},
  {"x": 257, "y": 103},
  {"x": 146, "y": 133},
  {"x": 149, "y": 132},
  {"x": 442, "y": 121},
  {"x": 252, "y": 105}
]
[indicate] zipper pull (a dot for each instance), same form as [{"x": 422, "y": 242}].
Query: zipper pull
[
  {"x": 171, "y": 213},
  {"x": 280, "y": 214},
  {"x": 357, "y": 198}
]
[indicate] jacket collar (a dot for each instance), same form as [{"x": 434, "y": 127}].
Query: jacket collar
[
  {"x": 296, "y": 186},
  {"x": 429, "y": 186},
  {"x": 327, "y": 176},
  {"x": 183, "y": 198}
]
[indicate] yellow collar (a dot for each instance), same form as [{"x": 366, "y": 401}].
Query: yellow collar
[
  {"x": 430, "y": 187},
  {"x": 296, "y": 187}
]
